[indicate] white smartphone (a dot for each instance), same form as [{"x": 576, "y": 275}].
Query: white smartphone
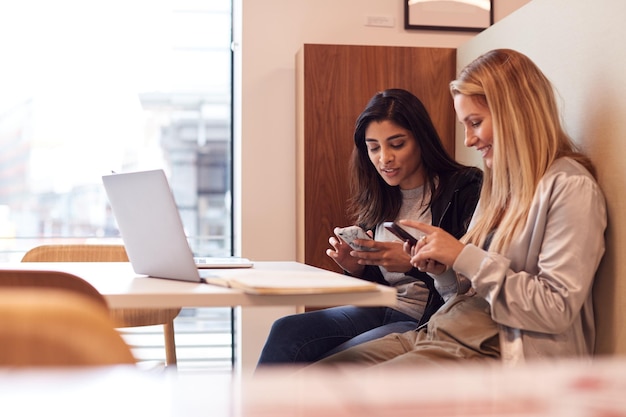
[{"x": 348, "y": 234}]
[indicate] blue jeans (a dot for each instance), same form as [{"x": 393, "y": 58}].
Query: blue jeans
[{"x": 307, "y": 337}]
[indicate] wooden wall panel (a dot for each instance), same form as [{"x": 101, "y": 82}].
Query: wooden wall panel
[{"x": 334, "y": 83}]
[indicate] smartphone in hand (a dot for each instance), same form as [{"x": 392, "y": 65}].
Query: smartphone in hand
[
  {"x": 400, "y": 232},
  {"x": 348, "y": 234}
]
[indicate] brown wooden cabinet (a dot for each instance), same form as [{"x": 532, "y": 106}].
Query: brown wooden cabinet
[{"x": 334, "y": 83}]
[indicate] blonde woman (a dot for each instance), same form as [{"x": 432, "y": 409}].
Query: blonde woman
[{"x": 518, "y": 284}]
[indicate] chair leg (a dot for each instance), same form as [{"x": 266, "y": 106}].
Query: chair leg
[{"x": 170, "y": 344}]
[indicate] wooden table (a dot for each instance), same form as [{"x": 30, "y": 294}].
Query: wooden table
[{"x": 123, "y": 288}]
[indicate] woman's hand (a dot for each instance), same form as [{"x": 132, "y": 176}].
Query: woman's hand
[
  {"x": 340, "y": 253},
  {"x": 389, "y": 255},
  {"x": 435, "y": 251}
]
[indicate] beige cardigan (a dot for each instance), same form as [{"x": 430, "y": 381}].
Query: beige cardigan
[{"x": 540, "y": 291}]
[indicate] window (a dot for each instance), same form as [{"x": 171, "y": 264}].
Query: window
[
  {"x": 100, "y": 86},
  {"x": 90, "y": 87}
]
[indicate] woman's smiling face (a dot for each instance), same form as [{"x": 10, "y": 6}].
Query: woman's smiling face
[
  {"x": 395, "y": 154},
  {"x": 476, "y": 119}
]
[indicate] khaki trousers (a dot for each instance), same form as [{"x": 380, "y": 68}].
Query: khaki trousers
[{"x": 462, "y": 329}]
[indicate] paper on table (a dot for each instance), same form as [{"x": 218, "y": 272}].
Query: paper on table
[{"x": 293, "y": 283}]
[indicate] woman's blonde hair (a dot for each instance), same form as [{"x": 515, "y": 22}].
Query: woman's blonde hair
[{"x": 527, "y": 138}]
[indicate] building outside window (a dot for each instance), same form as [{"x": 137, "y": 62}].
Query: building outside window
[{"x": 87, "y": 88}]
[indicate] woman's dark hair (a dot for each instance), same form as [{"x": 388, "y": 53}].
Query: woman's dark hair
[{"x": 372, "y": 200}]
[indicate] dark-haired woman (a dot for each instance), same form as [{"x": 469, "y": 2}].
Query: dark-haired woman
[{"x": 399, "y": 170}]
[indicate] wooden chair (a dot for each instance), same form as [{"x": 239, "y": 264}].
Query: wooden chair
[
  {"x": 57, "y": 327},
  {"x": 51, "y": 280},
  {"x": 122, "y": 317}
]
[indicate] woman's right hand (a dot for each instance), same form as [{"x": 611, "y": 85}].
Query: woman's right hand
[
  {"x": 340, "y": 253},
  {"x": 435, "y": 251}
]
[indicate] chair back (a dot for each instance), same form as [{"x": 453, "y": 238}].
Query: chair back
[
  {"x": 76, "y": 253},
  {"x": 43, "y": 327},
  {"x": 51, "y": 280}
]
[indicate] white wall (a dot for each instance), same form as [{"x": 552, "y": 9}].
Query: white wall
[
  {"x": 579, "y": 44},
  {"x": 273, "y": 31}
]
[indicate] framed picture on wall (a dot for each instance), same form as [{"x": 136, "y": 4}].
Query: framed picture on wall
[{"x": 456, "y": 15}]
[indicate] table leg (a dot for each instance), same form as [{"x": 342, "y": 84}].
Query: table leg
[{"x": 252, "y": 325}]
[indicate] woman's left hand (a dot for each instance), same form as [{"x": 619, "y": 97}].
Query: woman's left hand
[
  {"x": 435, "y": 251},
  {"x": 390, "y": 255}
]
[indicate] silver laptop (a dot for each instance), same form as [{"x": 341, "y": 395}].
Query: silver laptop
[{"x": 152, "y": 230}]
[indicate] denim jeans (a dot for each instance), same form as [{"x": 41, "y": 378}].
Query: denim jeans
[{"x": 307, "y": 337}]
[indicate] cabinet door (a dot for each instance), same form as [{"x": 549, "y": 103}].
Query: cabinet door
[{"x": 334, "y": 83}]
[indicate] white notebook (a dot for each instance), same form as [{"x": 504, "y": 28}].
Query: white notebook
[{"x": 281, "y": 282}]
